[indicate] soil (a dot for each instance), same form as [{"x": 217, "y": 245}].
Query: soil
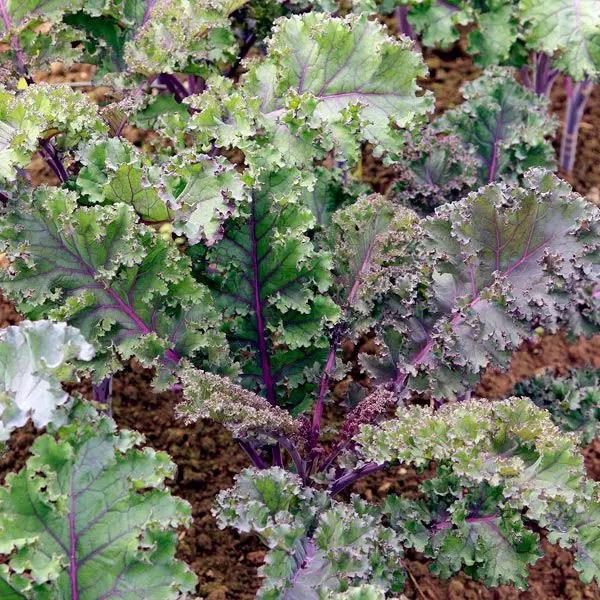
[{"x": 225, "y": 562}]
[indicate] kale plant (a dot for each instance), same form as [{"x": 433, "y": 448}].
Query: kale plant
[
  {"x": 573, "y": 400},
  {"x": 544, "y": 38},
  {"x": 234, "y": 252}
]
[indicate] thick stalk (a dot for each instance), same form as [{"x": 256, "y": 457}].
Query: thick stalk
[
  {"x": 299, "y": 463},
  {"x": 403, "y": 25},
  {"x": 50, "y": 155},
  {"x": 255, "y": 458},
  {"x": 14, "y": 40},
  {"x": 174, "y": 86},
  {"x": 578, "y": 96},
  {"x": 348, "y": 479},
  {"x": 323, "y": 388},
  {"x": 544, "y": 74},
  {"x": 261, "y": 332},
  {"x": 102, "y": 393}
]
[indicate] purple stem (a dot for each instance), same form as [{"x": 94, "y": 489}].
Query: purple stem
[
  {"x": 253, "y": 454},
  {"x": 323, "y": 388},
  {"x": 174, "y": 85},
  {"x": 403, "y": 25},
  {"x": 544, "y": 75},
  {"x": 261, "y": 333},
  {"x": 578, "y": 96},
  {"x": 149, "y": 6},
  {"x": 295, "y": 456},
  {"x": 346, "y": 480},
  {"x": 102, "y": 392},
  {"x": 447, "y": 523},
  {"x": 50, "y": 155},
  {"x": 493, "y": 162},
  {"x": 14, "y": 40},
  {"x": 196, "y": 84}
]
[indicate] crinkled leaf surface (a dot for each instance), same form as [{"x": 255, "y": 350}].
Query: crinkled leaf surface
[
  {"x": 89, "y": 517},
  {"x": 175, "y": 34},
  {"x": 434, "y": 170},
  {"x": 270, "y": 279},
  {"x": 341, "y": 64},
  {"x": 569, "y": 27},
  {"x": 326, "y": 83},
  {"x": 34, "y": 358},
  {"x": 317, "y": 545},
  {"x": 116, "y": 280},
  {"x": 506, "y": 125},
  {"x": 115, "y": 171},
  {"x": 202, "y": 192},
  {"x": 494, "y": 460},
  {"x": 506, "y": 259},
  {"x": 31, "y": 114},
  {"x": 572, "y": 400}
]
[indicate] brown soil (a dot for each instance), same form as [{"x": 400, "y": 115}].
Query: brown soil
[{"x": 226, "y": 563}]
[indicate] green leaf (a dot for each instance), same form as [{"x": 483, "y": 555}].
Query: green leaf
[
  {"x": 37, "y": 112},
  {"x": 506, "y": 125},
  {"x": 89, "y": 517},
  {"x": 326, "y": 84},
  {"x": 437, "y": 22},
  {"x": 372, "y": 244},
  {"x": 570, "y": 29},
  {"x": 494, "y": 34},
  {"x": 318, "y": 546},
  {"x": 115, "y": 171},
  {"x": 270, "y": 282},
  {"x": 434, "y": 170},
  {"x": 202, "y": 192},
  {"x": 34, "y": 359},
  {"x": 95, "y": 267},
  {"x": 493, "y": 549},
  {"x": 493, "y": 276},
  {"x": 178, "y": 34},
  {"x": 510, "y": 444},
  {"x": 244, "y": 413}
]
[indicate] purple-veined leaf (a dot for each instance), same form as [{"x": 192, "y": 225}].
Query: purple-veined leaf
[{"x": 89, "y": 518}]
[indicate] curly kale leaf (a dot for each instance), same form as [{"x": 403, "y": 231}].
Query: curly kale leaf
[
  {"x": 40, "y": 111},
  {"x": 176, "y": 35},
  {"x": 193, "y": 190},
  {"x": 505, "y": 260},
  {"x": 270, "y": 282},
  {"x": 201, "y": 192},
  {"x": 89, "y": 517},
  {"x": 318, "y": 546},
  {"x": 34, "y": 32},
  {"x": 434, "y": 170},
  {"x": 326, "y": 84},
  {"x": 497, "y": 462},
  {"x": 243, "y": 412},
  {"x": 34, "y": 358},
  {"x": 123, "y": 286},
  {"x": 114, "y": 171},
  {"x": 569, "y": 29},
  {"x": 436, "y": 22},
  {"x": 572, "y": 400},
  {"x": 373, "y": 243},
  {"x": 506, "y": 125}
]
